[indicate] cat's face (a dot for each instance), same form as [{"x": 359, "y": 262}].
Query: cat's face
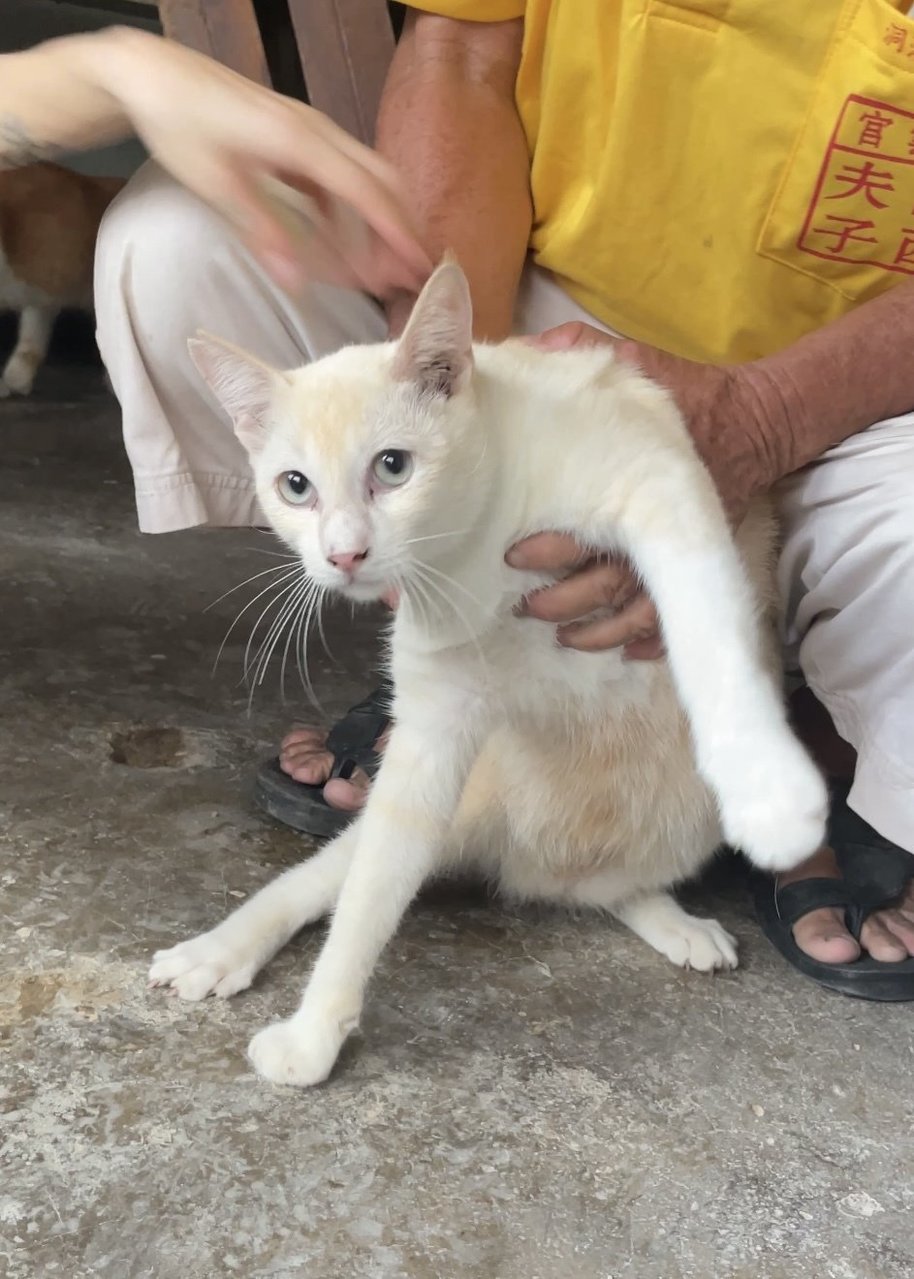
[{"x": 367, "y": 461}]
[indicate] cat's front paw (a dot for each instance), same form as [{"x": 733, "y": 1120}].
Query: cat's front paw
[
  {"x": 300, "y": 1052},
  {"x": 205, "y": 965},
  {"x": 782, "y": 822}
]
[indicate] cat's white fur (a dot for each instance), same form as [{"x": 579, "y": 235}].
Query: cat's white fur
[{"x": 563, "y": 776}]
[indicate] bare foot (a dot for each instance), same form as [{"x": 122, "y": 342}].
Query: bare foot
[
  {"x": 887, "y": 935},
  {"x": 304, "y": 756}
]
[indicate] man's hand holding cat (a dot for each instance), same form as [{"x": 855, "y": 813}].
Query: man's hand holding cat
[
  {"x": 590, "y": 585},
  {"x": 723, "y": 412}
]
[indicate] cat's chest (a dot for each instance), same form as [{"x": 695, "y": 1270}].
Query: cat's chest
[
  {"x": 514, "y": 662},
  {"x": 525, "y": 670}
]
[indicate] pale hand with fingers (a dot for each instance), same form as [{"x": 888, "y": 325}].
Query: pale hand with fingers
[{"x": 309, "y": 200}]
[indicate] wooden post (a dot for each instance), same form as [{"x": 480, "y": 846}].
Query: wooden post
[
  {"x": 345, "y": 48},
  {"x": 227, "y": 30}
]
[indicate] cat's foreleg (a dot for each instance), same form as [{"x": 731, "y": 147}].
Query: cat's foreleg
[
  {"x": 772, "y": 799},
  {"x": 402, "y": 838},
  {"x": 35, "y": 326},
  {"x": 228, "y": 957}
]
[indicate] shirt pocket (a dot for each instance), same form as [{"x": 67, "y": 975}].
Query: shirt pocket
[
  {"x": 697, "y": 13},
  {"x": 703, "y": 14},
  {"x": 843, "y": 212}
]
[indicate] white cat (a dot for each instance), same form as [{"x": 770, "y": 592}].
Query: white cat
[{"x": 562, "y": 776}]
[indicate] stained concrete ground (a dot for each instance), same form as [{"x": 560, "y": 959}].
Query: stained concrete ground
[{"x": 532, "y": 1096}]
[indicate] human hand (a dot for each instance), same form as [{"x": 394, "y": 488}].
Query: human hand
[
  {"x": 309, "y": 201},
  {"x": 597, "y": 604},
  {"x": 722, "y": 414}
]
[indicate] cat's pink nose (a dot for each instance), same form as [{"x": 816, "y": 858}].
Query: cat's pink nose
[{"x": 348, "y": 561}]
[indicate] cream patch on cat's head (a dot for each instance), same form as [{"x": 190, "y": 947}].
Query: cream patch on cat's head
[{"x": 365, "y": 461}]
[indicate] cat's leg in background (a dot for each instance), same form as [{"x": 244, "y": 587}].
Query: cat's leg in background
[
  {"x": 402, "y": 841},
  {"x": 772, "y": 799},
  {"x": 36, "y": 323},
  {"x": 227, "y": 958}
]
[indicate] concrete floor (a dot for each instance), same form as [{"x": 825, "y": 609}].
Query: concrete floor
[{"x": 531, "y": 1097}]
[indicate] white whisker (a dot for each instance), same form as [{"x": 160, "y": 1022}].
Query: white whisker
[
  {"x": 276, "y": 600},
  {"x": 482, "y": 456},
  {"x": 275, "y": 568},
  {"x": 420, "y": 572},
  {"x": 276, "y": 555},
  {"x": 289, "y": 638},
  {"x": 320, "y": 624},
  {"x": 265, "y": 652},
  {"x": 315, "y": 599},
  {"x": 434, "y": 537},
  {"x": 417, "y": 601},
  {"x": 451, "y": 581},
  {"x": 279, "y": 584}
]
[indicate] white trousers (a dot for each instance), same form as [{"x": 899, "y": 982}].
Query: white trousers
[{"x": 167, "y": 267}]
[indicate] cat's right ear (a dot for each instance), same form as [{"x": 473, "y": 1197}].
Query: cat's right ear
[
  {"x": 242, "y": 384},
  {"x": 435, "y": 351}
]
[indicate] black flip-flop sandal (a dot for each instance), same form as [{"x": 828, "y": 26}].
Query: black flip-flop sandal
[
  {"x": 352, "y": 742},
  {"x": 875, "y": 874}
]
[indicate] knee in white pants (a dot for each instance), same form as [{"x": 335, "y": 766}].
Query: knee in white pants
[
  {"x": 847, "y": 575},
  {"x": 155, "y": 258},
  {"x": 167, "y": 266}
]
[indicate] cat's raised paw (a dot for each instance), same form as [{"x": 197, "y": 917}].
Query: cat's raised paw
[
  {"x": 784, "y": 822},
  {"x": 297, "y": 1052},
  {"x": 200, "y": 967},
  {"x": 776, "y": 812}
]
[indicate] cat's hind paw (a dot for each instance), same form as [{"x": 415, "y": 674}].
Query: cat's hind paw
[
  {"x": 200, "y": 967},
  {"x": 702, "y": 944},
  {"x": 686, "y": 941},
  {"x": 300, "y": 1052}
]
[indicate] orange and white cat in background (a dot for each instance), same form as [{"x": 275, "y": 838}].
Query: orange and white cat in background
[{"x": 49, "y": 220}]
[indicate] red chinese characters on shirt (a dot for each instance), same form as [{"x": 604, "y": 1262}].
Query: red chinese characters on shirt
[
  {"x": 896, "y": 37},
  {"x": 862, "y": 209}
]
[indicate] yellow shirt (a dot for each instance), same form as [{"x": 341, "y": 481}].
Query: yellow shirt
[{"x": 716, "y": 177}]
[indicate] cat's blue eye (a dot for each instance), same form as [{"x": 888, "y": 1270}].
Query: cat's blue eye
[
  {"x": 295, "y": 488},
  {"x": 393, "y": 467}
]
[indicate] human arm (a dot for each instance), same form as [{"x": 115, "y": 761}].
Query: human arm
[
  {"x": 449, "y": 125},
  {"x": 225, "y": 138},
  {"x": 752, "y": 424}
]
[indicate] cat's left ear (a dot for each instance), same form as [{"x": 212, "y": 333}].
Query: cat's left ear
[
  {"x": 242, "y": 384},
  {"x": 436, "y": 349}
]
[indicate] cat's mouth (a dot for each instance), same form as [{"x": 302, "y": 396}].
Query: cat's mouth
[{"x": 363, "y": 590}]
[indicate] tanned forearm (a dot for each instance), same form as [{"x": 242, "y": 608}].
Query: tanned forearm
[
  {"x": 449, "y": 124},
  {"x": 834, "y": 382}
]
